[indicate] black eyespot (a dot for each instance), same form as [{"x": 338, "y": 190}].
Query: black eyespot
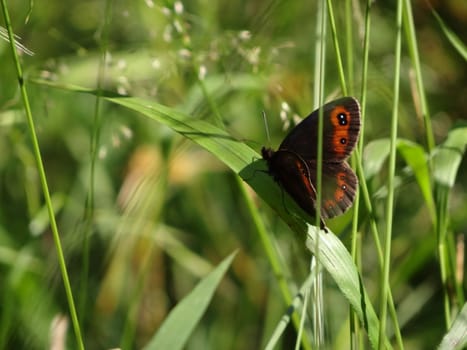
[
  {"x": 344, "y": 187},
  {"x": 343, "y": 141},
  {"x": 342, "y": 118}
]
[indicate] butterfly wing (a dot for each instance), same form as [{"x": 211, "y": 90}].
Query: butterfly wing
[
  {"x": 297, "y": 177},
  {"x": 293, "y": 174},
  {"x": 340, "y": 131},
  {"x": 293, "y": 165},
  {"x": 338, "y": 187}
]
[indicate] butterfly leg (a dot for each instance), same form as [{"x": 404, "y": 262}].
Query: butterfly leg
[{"x": 322, "y": 225}]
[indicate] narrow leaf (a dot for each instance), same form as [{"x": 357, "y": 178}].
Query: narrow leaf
[
  {"x": 416, "y": 158},
  {"x": 448, "y": 156},
  {"x": 337, "y": 261},
  {"x": 455, "y": 41},
  {"x": 456, "y": 337},
  {"x": 178, "y": 326},
  {"x": 374, "y": 156}
]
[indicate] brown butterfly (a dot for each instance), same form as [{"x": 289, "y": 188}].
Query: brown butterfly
[{"x": 294, "y": 164}]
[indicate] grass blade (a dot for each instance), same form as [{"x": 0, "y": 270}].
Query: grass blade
[
  {"x": 456, "y": 338},
  {"x": 448, "y": 156},
  {"x": 339, "y": 264},
  {"x": 178, "y": 326},
  {"x": 455, "y": 41}
]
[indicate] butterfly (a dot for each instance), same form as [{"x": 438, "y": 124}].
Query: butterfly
[{"x": 294, "y": 164}]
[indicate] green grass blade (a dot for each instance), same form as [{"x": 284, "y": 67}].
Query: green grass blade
[
  {"x": 374, "y": 157},
  {"x": 43, "y": 180},
  {"x": 416, "y": 158},
  {"x": 320, "y": 71},
  {"x": 236, "y": 155},
  {"x": 178, "y": 326},
  {"x": 446, "y": 160},
  {"x": 376, "y": 153},
  {"x": 339, "y": 264},
  {"x": 420, "y": 95},
  {"x": 456, "y": 338},
  {"x": 448, "y": 156},
  {"x": 232, "y": 152},
  {"x": 455, "y": 41},
  {"x": 389, "y": 210}
]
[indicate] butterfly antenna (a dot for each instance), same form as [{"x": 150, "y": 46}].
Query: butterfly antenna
[{"x": 265, "y": 120}]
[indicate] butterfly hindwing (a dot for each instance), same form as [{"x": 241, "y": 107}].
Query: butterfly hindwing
[
  {"x": 338, "y": 187},
  {"x": 293, "y": 174}
]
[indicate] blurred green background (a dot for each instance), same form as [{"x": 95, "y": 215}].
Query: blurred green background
[{"x": 165, "y": 210}]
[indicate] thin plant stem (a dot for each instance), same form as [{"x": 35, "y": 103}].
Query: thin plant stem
[
  {"x": 442, "y": 196},
  {"x": 318, "y": 309},
  {"x": 349, "y": 43},
  {"x": 95, "y": 137},
  {"x": 340, "y": 66},
  {"x": 297, "y": 300},
  {"x": 356, "y": 155},
  {"x": 43, "y": 180},
  {"x": 423, "y": 106},
  {"x": 413, "y": 51},
  {"x": 303, "y": 317},
  {"x": 355, "y": 251},
  {"x": 391, "y": 171}
]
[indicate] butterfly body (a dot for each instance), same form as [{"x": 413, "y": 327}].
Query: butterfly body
[{"x": 294, "y": 164}]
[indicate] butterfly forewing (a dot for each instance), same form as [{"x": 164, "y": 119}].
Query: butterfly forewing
[{"x": 340, "y": 131}]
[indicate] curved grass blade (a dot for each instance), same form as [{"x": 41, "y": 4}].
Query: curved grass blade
[
  {"x": 455, "y": 41},
  {"x": 448, "y": 156},
  {"x": 374, "y": 156},
  {"x": 417, "y": 160},
  {"x": 456, "y": 337},
  {"x": 414, "y": 155},
  {"x": 337, "y": 261},
  {"x": 239, "y": 157},
  {"x": 178, "y": 326}
]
